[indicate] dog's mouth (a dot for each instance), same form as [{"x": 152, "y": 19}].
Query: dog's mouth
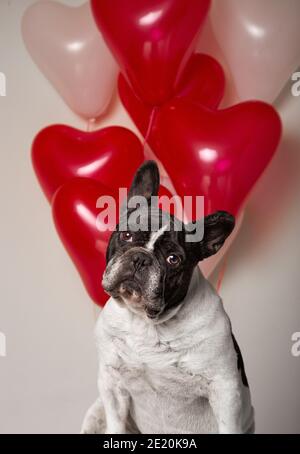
[
  {"x": 152, "y": 313},
  {"x": 130, "y": 292},
  {"x": 126, "y": 289}
]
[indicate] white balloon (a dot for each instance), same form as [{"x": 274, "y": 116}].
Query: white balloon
[
  {"x": 260, "y": 40},
  {"x": 207, "y": 44},
  {"x": 67, "y": 47}
]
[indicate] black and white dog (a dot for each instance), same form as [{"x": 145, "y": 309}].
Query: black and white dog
[{"x": 168, "y": 361}]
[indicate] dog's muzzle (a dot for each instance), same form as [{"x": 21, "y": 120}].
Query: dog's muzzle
[
  {"x": 131, "y": 280},
  {"x": 130, "y": 290}
]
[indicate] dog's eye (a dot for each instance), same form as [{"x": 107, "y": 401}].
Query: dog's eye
[
  {"x": 173, "y": 259},
  {"x": 126, "y": 236}
]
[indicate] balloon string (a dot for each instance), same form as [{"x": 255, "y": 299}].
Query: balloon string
[
  {"x": 90, "y": 123},
  {"x": 150, "y": 126},
  {"x": 221, "y": 275}
]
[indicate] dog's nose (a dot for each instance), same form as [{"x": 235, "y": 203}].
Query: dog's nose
[{"x": 141, "y": 260}]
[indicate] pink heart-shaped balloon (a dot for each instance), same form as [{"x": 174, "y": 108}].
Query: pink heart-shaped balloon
[
  {"x": 261, "y": 43},
  {"x": 110, "y": 155},
  {"x": 67, "y": 47}
]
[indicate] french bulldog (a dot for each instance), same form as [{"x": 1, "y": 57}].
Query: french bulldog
[{"x": 168, "y": 361}]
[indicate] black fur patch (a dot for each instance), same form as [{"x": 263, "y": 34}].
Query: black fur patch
[{"x": 240, "y": 362}]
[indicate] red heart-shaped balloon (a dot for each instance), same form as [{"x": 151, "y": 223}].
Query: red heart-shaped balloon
[
  {"x": 106, "y": 160},
  {"x": 84, "y": 226},
  {"x": 152, "y": 40},
  {"x": 216, "y": 154},
  {"x": 76, "y": 218},
  {"x": 110, "y": 155},
  {"x": 203, "y": 82}
]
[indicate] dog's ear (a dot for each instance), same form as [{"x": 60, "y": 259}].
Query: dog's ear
[
  {"x": 146, "y": 181},
  {"x": 217, "y": 227}
]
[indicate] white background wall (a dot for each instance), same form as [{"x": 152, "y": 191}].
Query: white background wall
[{"x": 48, "y": 378}]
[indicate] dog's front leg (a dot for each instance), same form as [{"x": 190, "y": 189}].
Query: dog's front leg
[
  {"x": 115, "y": 399},
  {"x": 94, "y": 419},
  {"x": 226, "y": 401}
]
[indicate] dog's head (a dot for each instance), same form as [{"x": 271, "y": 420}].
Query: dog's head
[{"x": 150, "y": 256}]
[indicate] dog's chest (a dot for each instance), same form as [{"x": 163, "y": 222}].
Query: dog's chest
[{"x": 161, "y": 367}]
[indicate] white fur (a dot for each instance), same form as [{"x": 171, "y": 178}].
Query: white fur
[
  {"x": 178, "y": 376},
  {"x": 154, "y": 237}
]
